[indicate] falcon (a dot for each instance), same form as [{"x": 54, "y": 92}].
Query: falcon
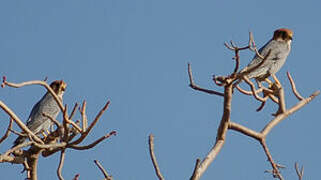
[
  {"x": 37, "y": 123},
  {"x": 280, "y": 47}
]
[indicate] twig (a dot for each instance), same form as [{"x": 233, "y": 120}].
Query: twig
[
  {"x": 196, "y": 87},
  {"x": 102, "y": 169},
  {"x": 254, "y": 90},
  {"x": 61, "y": 164},
  {"x": 84, "y": 116},
  {"x": 280, "y": 95},
  {"x": 68, "y": 121},
  {"x": 84, "y": 134},
  {"x": 298, "y": 171},
  {"x": 153, "y": 157},
  {"x": 73, "y": 111},
  {"x": 17, "y": 133},
  {"x": 250, "y": 93},
  {"x": 7, "y": 132},
  {"x": 276, "y": 172},
  {"x": 52, "y": 119},
  {"x": 92, "y": 144},
  {"x": 295, "y": 92}
]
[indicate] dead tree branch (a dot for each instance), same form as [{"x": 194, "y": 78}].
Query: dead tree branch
[
  {"x": 298, "y": 171},
  {"x": 7, "y": 132},
  {"x": 153, "y": 157},
  {"x": 61, "y": 164},
  {"x": 102, "y": 169},
  {"x": 196, "y": 87}
]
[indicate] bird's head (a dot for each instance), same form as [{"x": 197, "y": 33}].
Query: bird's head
[
  {"x": 283, "y": 34},
  {"x": 59, "y": 87}
]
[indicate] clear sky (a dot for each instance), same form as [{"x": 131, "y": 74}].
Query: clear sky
[{"x": 135, "y": 53}]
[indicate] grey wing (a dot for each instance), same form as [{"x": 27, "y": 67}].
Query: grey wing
[
  {"x": 33, "y": 112},
  {"x": 263, "y": 51},
  {"x": 35, "y": 119}
]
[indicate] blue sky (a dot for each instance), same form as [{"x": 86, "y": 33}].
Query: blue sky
[{"x": 135, "y": 53}]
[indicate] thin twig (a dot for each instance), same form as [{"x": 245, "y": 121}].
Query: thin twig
[
  {"x": 92, "y": 144},
  {"x": 52, "y": 119},
  {"x": 153, "y": 157},
  {"x": 84, "y": 134},
  {"x": 276, "y": 172},
  {"x": 298, "y": 171},
  {"x": 73, "y": 111},
  {"x": 102, "y": 169},
  {"x": 295, "y": 92},
  {"x": 68, "y": 121},
  {"x": 84, "y": 116},
  {"x": 7, "y": 132},
  {"x": 196, "y": 87},
  {"x": 250, "y": 93},
  {"x": 254, "y": 90},
  {"x": 61, "y": 164}
]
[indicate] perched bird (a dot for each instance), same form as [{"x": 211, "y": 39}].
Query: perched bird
[
  {"x": 38, "y": 123},
  {"x": 280, "y": 46}
]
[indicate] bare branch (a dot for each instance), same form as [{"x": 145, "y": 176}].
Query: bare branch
[
  {"x": 295, "y": 92},
  {"x": 68, "y": 121},
  {"x": 250, "y": 93},
  {"x": 102, "y": 169},
  {"x": 282, "y": 116},
  {"x": 7, "y": 132},
  {"x": 84, "y": 134},
  {"x": 153, "y": 157},
  {"x": 298, "y": 171},
  {"x": 244, "y": 130},
  {"x": 254, "y": 90},
  {"x": 276, "y": 173},
  {"x": 196, "y": 87},
  {"x": 19, "y": 122},
  {"x": 84, "y": 116},
  {"x": 73, "y": 111},
  {"x": 61, "y": 164},
  {"x": 197, "y": 166},
  {"x": 221, "y": 133},
  {"x": 52, "y": 119},
  {"x": 27, "y": 83},
  {"x": 92, "y": 144}
]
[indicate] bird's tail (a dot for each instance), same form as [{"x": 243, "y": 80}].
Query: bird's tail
[{"x": 19, "y": 140}]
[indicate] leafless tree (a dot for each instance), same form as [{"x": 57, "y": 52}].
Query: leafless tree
[
  {"x": 68, "y": 135},
  {"x": 274, "y": 92}
]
